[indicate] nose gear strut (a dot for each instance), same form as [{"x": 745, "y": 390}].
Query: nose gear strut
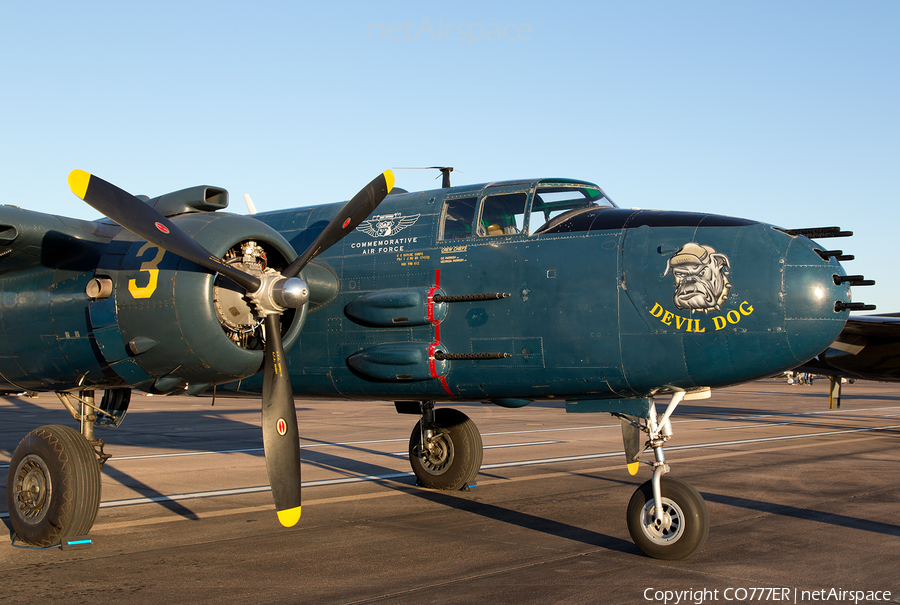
[{"x": 667, "y": 518}]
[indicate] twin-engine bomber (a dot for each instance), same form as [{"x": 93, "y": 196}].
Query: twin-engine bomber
[{"x": 504, "y": 293}]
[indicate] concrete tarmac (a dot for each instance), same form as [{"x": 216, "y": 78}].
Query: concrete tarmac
[{"x": 804, "y": 504}]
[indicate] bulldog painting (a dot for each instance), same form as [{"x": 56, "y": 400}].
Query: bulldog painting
[{"x": 701, "y": 277}]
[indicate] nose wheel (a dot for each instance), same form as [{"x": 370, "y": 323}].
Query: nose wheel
[{"x": 680, "y": 528}]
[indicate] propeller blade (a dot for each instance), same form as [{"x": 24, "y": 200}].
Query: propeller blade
[
  {"x": 251, "y": 207},
  {"x": 281, "y": 438},
  {"x": 146, "y": 222},
  {"x": 351, "y": 215}
]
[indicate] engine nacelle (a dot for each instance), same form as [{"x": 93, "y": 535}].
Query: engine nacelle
[{"x": 170, "y": 324}]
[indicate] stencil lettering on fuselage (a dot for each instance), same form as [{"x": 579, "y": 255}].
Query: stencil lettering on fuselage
[{"x": 384, "y": 228}]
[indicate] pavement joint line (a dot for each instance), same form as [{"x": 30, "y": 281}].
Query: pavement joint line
[
  {"x": 761, "y": 425},
  {"x": 499, "y": 446}
]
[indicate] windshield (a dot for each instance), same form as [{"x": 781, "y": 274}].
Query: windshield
[{"x": 554, "y": 204}]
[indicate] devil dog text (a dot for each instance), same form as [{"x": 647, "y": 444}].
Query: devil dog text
[{"x": 692, "y": 324}]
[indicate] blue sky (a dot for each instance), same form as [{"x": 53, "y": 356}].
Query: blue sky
[{"x": 778, "y": 111}]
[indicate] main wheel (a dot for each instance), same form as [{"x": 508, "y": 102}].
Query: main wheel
[
  {"x": 684, "y": 524},
  {"x": 53, "y": 486},
  {"x": 452, "y": 457}
]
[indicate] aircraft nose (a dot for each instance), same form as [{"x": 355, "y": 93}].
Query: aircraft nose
[{"x": 771, "y": 299}]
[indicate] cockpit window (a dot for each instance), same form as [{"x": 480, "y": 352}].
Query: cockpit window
[
  {"x": 502, "y": 214},
  {"x": 459, "y": 214},
  {"x": 553, "y": 205}
]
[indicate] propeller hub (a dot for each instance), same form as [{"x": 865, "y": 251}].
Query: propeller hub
[
  {"x": 277, "y": 293},
  {"x": 290, "y": 293}
]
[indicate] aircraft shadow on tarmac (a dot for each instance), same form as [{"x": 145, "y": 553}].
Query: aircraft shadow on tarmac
[
  {"x": 805, "y": 514},
  {"x": 529, "y": 522},
  {"x": 174, "y": 506},
  {"x": 353, "y": 467}
]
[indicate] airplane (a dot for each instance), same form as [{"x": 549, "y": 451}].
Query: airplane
[
  {"x": 868, "y": 348},
  {"x": 504, "y": 293}
]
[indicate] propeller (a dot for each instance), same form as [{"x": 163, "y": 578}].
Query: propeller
[
  {"x": 269, "y": 292},
  {"x": 251, "y": 207}
]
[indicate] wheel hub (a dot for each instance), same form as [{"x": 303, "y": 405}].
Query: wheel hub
[
  {"x": 668, "y": 528},
  {"x": 32, "y": 489},
  {"x": 437, "y": 453}
]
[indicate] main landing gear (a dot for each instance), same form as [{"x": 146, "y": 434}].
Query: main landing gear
[
  {"x": 445, "y": 449},
  {"x": 667, "y": 518},
  {"x": 53, "y": 486},
  {"x": 53, "y": 482}
]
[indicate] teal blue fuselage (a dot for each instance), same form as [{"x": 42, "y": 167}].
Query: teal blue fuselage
[
  {"x": 610, "y": 303},
  {"x": 590, "y": 313}
]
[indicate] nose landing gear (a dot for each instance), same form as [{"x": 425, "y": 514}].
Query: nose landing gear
[{"x": 666, "y": 517}]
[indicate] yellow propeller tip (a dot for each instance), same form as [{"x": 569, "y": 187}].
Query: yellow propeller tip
[
  {"x": 389, "y": 179},
  {"x": 289, "y": 517},
  {"x": 633, "y": 468},
  {"x": 78, "y": 182}
]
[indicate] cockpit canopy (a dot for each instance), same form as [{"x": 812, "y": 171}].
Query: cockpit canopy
[{"x": 518, "y": 208}]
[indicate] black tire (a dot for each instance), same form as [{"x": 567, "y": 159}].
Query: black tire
[
  {"x": 685, "y": 523},
  {"x": 53, "y": 486},
  {"x": 455, "y": 458}
]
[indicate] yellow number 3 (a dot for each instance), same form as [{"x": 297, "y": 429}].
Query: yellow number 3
[{"x": 150, "y": 267}]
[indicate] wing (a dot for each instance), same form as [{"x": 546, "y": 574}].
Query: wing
[
  {"x": 868, "y": 347},
  {"x": 30, "y": 238}
]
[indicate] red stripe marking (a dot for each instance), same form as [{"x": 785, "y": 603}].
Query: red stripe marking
[
  {"x": 431, "y": 303},
  {"x": 443, "y": 380},
  {"x": 431, "y": 364},
  {"x": 437, "y": 333}
]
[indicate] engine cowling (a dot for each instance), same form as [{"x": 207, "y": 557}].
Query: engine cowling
[{"x": 170, "y": 324}]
